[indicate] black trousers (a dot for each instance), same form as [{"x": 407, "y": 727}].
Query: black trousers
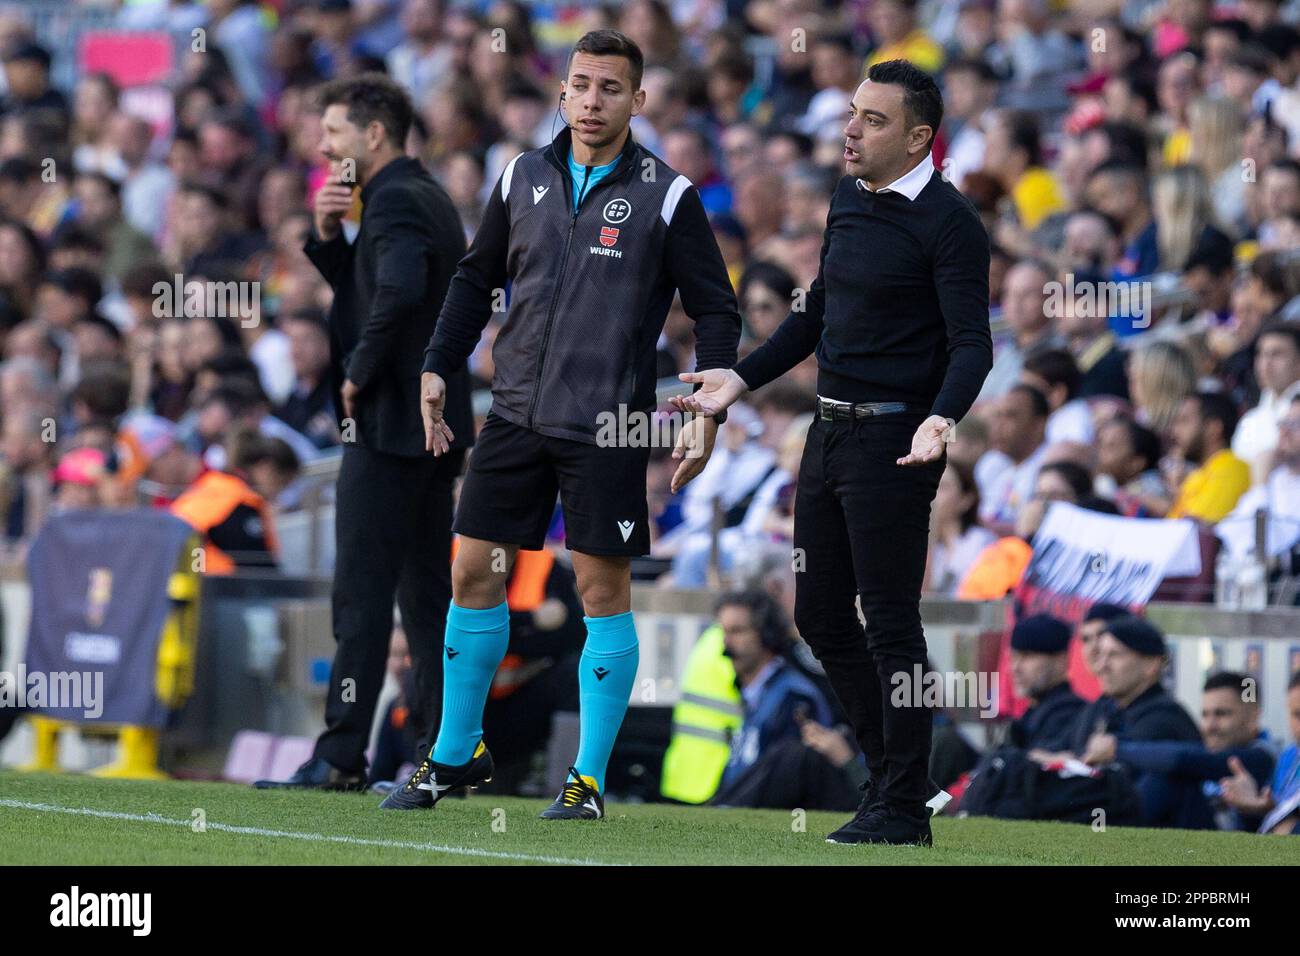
[
  {"x": 392, "y": 530},
  {"x": 861, "y": 524}
]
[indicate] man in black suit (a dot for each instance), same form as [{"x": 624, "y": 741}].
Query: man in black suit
[{"x": 394, "y": 500}]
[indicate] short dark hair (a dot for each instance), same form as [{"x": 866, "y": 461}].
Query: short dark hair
[
  {"x": 1056, "y": 367},
  {"x": 1226, "y": 680},
  {"x": 1288, "y": 330},
  {"x": 922, "y": 101},
  {"x": 1144, "y": 442},
  {"x": 766, "y": 616},
  {"x": 369, "y": 98},
  {"x": 1074, "y": 475},
  {"x": 1215, "y": 406},
  {"x": 1024, "y": 133},
  {"x": 1037, "y": 400},
  {"x": 611, "y": 43}
]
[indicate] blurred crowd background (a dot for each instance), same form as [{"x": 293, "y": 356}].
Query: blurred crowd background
[{"x": 1111, "y": 145}]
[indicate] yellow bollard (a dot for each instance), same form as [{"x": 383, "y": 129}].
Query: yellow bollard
[
  {"x": 137, "y": 755},
  {"x": 45, "y": 750}
]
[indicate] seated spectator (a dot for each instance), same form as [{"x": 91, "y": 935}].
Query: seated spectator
[
  {"x": 1134, "y": 706},
  {"x": 1013, "y": 155},
  {"x": 1024, "y": 298},
  {"x": 1202, "y": 435},
  {"x": 1183, "y": 777},
  {"x": 24, "y": 473},
  {"x": 1095, "y": 621},
  {"x": 766, "y": 525},
  {"x": 1161, "y": 375},
  {"x": 1277, "y": 371},
  {"x": 1040, "y": 660},
  {"x": 898, "y": 37},
  {"x": 77, "y": 479},
  {"x": 1128, "y": 472},
  {"x": 740, "y": 463},
  {"x": 1278, "y": 803},
  {"x": 1054, "y": 373},
  {"x": 1006, "y": 473},
  {"x": 767, "y": 763},
  {"x": 234, "y": 522},
  {"x": 956, "y": 536},
  {"x": 1278, "y": 495},
  {"x": 309, "y": 407}
]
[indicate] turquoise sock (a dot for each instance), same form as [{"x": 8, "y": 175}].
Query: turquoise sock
[
  {"x": 606, "y": 672},
  {"x": 475, "y": 644}
]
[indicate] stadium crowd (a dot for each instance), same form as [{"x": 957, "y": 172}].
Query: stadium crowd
[
  {"x": 1104, "y": 143},
  {"x": 1136, "y": 163}
]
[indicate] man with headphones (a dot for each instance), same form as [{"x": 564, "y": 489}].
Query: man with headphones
[
  {"x": 776, "y": 696},
  {"x": 593, "y": 234}
]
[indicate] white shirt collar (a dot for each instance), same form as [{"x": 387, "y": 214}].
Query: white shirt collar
[{"x": 910, "y": 183}]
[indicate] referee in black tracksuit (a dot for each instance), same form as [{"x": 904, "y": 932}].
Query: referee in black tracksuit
[
  {"x": 898, "y": 317},
  {"x": 393, "y": 504}
]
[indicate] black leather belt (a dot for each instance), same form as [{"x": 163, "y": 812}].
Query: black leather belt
[{"x": 829, "y": 410}]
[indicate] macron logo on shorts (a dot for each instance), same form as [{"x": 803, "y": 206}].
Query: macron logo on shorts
[{"x": 625, "y": 528}]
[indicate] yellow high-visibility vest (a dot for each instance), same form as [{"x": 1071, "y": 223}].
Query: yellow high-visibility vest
[{"x": 706, "y": 717}]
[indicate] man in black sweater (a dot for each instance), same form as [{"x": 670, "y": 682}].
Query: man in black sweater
[
  {"x": 898, "y": 317},
  {"x": 394, "y": 500}
]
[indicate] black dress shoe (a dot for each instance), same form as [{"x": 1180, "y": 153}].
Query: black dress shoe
[
  {"x": 888, "y": 824},
  {"x": 316, "y": 774}
]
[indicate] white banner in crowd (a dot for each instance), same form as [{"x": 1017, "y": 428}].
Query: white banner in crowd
[{"x": 1101, "y": 557}]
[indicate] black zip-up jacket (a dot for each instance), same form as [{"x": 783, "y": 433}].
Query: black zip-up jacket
[
  {"x": 388, "y": 285},
  {"x": 589, "y": 291}
]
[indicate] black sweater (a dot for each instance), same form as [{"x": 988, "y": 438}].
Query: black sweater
[{"x": 899, "y": 311}]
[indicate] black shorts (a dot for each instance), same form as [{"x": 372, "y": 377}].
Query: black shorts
[{"x": 514, "y": 474}]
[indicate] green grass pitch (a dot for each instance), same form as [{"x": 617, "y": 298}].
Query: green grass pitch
[{"x": 77, "y": 820}]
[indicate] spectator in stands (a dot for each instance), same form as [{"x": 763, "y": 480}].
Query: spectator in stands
[
  {"x": 777, "y": 699},
  {"x": 24, "y": 472},
  {"x": 1006, "y": 474},
  {"x": 1128, "y": 468},
  {"x": 1088, "y": 338},
  {"x": 1054, "y": 373},
  {"x": 1118, "y": 188},
  {"x": 1278, "y": 803},
  {"x": 1278, "y": 495},
  {"x": 1161, "y": 376},
  {"x": 77, "y": 479},
  {"x": 1133, "y": 707},
  {"x": 1277, "y": 371},
  {"x": 1024, "y": 307},
  {"x": 309, "y": 407},
  {"x": 27, "y": 83},
  {"x": 234, "y": 522},
  {"x": 1093, "y": 624},
  {"x": 1208, "y": 477},
  {"x": 898, "y": 37},
  {"x": 1013, "y": 155},
  {"x": 99, "y": 211},
  {"x": 970, "y": 90},
  {"x": 1182, "y": 778},
  {"x": 1040, "y": 647},
  {"x": 956, "y": 536}
]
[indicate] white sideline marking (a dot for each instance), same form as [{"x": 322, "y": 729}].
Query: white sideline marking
[{"x": 295, "y": 835}]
